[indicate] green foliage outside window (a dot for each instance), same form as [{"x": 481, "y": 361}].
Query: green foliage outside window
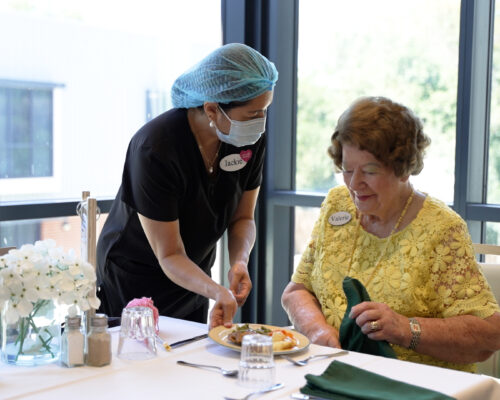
[{"x": 409, "y": 55}]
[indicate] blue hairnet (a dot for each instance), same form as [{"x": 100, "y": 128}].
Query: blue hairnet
[{"x": 233, "y": 72}]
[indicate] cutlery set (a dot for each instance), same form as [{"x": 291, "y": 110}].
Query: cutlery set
[{"x": 234, "y": 372}]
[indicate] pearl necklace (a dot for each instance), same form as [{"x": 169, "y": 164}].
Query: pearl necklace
[{"x": 387, "y": 241}]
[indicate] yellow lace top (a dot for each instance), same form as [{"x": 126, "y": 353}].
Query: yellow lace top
[{"x": 428, "y": 269}]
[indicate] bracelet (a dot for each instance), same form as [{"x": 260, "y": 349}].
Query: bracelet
[{"x": 415, "y": 329}]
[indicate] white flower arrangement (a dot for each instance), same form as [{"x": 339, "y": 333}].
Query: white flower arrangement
[{"x": 34, "y": 274}]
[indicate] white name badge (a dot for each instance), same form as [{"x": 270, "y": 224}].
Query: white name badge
[
  {"x": 339, "y": 218},
  {"x": 232, "y": 162}
]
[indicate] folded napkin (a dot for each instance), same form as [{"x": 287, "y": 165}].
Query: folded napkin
[
  {"x": 342, "y": 381},
  {"x": 351, "y": 337}
]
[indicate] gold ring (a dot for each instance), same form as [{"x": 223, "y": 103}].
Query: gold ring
[{"x": 374, "y": 326}]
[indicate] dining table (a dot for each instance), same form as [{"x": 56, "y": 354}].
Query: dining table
[{"x": 162, "y": 378}]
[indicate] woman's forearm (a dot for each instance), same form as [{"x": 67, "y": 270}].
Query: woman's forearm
[
  {"x": 241, "y": 230},
  {"x": 185, "y": 273},
  {"x": 241, "y": 238},
  {"x": 461, "y": 339},
  {"x": 303, "y": 309},
  {"x": 305, "y": 313}
]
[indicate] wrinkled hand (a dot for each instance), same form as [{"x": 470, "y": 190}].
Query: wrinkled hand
[
  {"x": 224, "y": 309},
  {"x": 325, "y": 336},
  {"x": 391, "y": 326},
  {"x": 239, "y": 282}
]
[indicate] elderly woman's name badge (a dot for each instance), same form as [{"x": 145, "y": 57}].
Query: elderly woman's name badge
[
  {"x": 339, "y": 218},
  {"x": 235, "y": 162}
]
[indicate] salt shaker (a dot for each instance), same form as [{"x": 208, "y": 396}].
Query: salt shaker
[
  {"x": 99, "y": 342},
  {"x": 72, "y": 342}
]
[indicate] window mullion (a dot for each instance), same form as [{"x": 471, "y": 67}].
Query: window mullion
[{"x": 474, "y": 89}]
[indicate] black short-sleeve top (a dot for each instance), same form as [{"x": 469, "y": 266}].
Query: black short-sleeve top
[{"x": 165, "y": 179}]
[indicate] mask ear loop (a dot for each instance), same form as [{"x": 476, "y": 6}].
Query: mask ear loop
[
  {"x": 223, "y": 112},
  {"x": 214, "y": 125}
]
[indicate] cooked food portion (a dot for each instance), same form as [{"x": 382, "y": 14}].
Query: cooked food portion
[
  {"x": 236, "y": 336},
  {"x": 281, "y": 338}
]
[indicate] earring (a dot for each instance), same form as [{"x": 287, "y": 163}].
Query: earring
[{"x": 211, "y": 124}]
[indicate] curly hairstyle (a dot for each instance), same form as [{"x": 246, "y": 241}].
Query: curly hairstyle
[{"x": 386, "y": 129}]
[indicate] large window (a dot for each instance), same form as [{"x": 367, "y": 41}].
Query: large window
[
  {"x": 371, "y": 51},
  {"x": 113, "y": 63},
  {"x": 492, "y": 158},
  {"x": 494, "y": 141}
]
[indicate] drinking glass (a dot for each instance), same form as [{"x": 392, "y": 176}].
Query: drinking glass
[
  {"x": 137, "y": 334},
  {"x": 257, "y": 370}
]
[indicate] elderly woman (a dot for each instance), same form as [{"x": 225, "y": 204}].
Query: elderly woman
[
  {"x": 190, "y": 174},
  {"x": 413, "y": 254}
]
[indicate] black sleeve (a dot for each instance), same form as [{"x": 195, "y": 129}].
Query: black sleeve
[{"x": 151, "y": 183}]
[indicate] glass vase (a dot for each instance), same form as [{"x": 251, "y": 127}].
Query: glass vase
[{"x": 31, "y": 340}]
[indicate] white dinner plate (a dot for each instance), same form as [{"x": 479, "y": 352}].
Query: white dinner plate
[{"x": 220, "y": 335}]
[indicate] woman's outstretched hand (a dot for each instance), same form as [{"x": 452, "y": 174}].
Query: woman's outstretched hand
[{"x": 224, "y": 309}]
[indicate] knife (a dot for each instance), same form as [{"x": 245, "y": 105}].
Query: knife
[
  {"x": 186, "y": 341},
  {"x": 302, "y": 396}
]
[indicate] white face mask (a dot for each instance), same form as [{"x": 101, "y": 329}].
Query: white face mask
[{"x": 242, "y": 133}]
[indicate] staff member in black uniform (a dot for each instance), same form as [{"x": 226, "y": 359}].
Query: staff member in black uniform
[{"x": 190, "y": 174}]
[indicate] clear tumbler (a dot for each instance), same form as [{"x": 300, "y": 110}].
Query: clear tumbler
[
  {"x": 257, "y": 370},
  {"x": 137, "y": 334}
]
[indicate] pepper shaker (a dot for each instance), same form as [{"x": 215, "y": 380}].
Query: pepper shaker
[{"x": 99, "y": 342}]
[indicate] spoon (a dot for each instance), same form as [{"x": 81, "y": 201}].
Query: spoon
[
  {"x": 223, "y": 371},
  {"x": 269, "y": 389},
  {"x": 303, "y": 362}
]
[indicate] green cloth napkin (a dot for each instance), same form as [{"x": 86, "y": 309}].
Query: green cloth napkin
[
  {"x": 342, "y": 381},
  {"x": 351, "y": 337}
]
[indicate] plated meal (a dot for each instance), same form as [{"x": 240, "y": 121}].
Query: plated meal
[{"x": 284, "y": 340}]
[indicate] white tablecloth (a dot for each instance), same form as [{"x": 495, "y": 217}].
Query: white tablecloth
[{"x": 162, "y": 378}]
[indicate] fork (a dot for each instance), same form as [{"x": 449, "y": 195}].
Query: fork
[
  {"x": 303, "y": 362},
  {"x": 269, "y": 389}
]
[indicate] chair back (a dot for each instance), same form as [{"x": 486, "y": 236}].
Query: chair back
[
  {"x": 481, "y": 248},
  {"x": 5, "y": 250},
  {"x": 491, "y": 272}
]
